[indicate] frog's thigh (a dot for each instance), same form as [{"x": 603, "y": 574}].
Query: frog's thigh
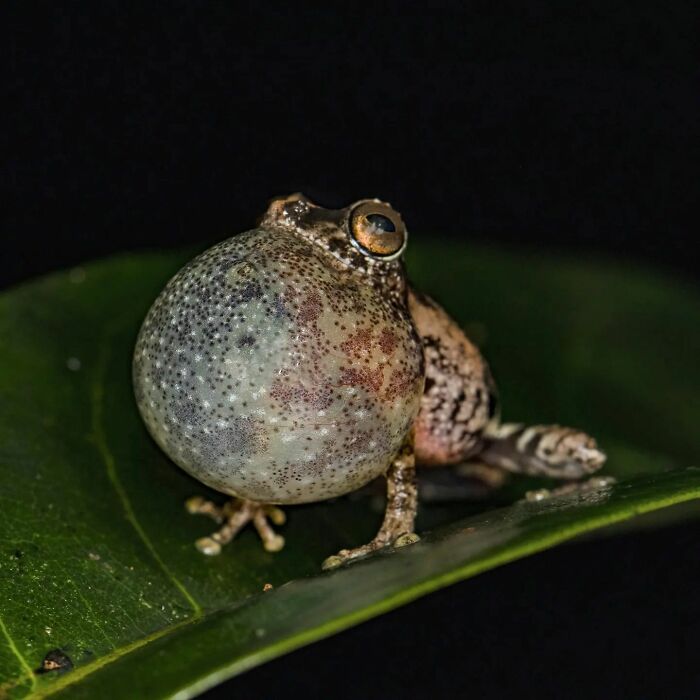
[{"x": 400, "y": 513}]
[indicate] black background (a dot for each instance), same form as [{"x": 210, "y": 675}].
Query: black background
[{"x": 554, "y": 126}]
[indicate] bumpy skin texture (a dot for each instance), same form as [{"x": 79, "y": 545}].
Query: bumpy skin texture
[
  {"x": 293, "y": 363},
  {"x": 459, "y": 398},
  {"x": 271, "y": 371}
]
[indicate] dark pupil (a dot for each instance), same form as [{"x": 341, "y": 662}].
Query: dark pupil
[{"x": 383, "y": 223}]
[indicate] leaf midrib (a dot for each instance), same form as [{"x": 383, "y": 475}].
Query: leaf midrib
[{"x": 81, "y": 672}]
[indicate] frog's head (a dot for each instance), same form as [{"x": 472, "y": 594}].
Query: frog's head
[{"x": 368, "y": 235}]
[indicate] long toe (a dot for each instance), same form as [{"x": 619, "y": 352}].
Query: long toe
[
  {"x": 274, "y": 543},
  {"x": 208, "y": 546}
]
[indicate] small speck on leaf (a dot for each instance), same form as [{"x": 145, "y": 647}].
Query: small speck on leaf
[{"x": 55, "y": 660}]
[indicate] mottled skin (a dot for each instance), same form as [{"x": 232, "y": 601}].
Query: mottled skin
[{"x": 293, "y": 363}]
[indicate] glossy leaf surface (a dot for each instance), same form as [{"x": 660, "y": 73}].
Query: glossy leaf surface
[{"x": 96, "y": 554}]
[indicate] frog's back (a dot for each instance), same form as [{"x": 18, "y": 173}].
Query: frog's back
[{"x": 270, "y": 374}]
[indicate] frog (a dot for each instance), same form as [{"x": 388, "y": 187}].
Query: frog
[{"x": 296, "y": 363}]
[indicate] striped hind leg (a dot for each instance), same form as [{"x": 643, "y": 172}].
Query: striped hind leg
[{"x": 541, "y": 450}]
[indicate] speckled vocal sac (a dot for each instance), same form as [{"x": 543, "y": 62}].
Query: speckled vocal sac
[{"x": 295, "y": 363}]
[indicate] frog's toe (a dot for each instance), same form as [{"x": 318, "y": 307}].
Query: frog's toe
[
  {"x": 272, "y": 542},
  {"x": 348, "y": 555},
  {"x": 276, "y": 514},
  {"x": 332, "y": 562},
  {"x": 197, "y": 505},
  {"x": 405, "y": 540},
  {"x": 208, "y": 546}
]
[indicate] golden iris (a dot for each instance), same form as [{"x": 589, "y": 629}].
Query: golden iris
[{"x": 377, "y": 229}]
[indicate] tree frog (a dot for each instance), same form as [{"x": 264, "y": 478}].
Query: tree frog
[{"x": 295, "y": 363}]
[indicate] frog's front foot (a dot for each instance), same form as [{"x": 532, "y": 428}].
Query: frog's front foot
[
  {"x": 379, "y": 542},
  {"x": 400, "y": 514},
  {"x": 234, "y": 516}
]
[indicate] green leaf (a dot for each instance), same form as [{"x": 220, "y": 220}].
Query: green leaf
[{"x": 96, "y": 550}]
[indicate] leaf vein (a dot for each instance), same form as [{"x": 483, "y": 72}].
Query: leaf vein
[
  {"x": 26, "y": 668},
  {"x": 100, "y": 440}
]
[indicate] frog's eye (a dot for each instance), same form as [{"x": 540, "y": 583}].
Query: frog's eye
[{"x": 377, "y": 230}]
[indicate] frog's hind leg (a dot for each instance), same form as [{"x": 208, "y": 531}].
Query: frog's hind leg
[
  {"x": 400, "y": 513},
  {"x": 541, "y": 450},
  {"x": 233, "y": 517}
]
